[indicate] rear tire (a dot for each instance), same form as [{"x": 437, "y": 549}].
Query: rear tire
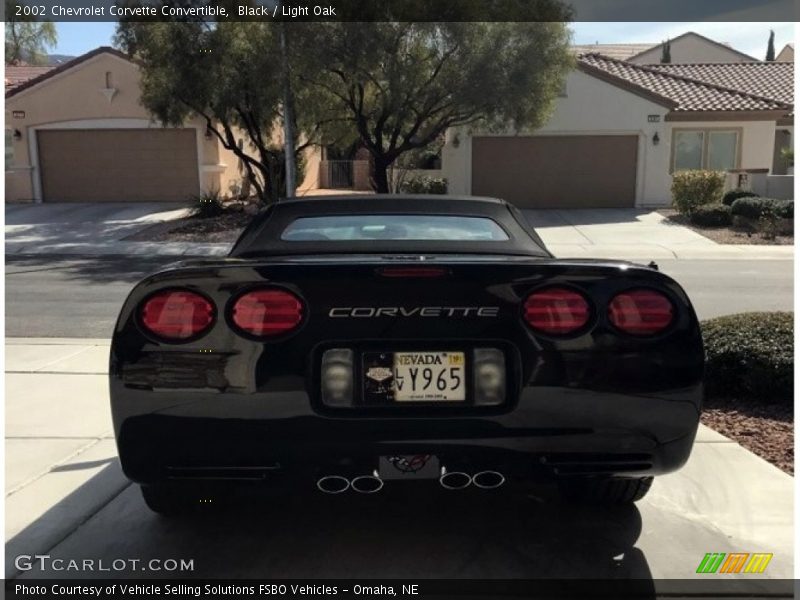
[
  {"x": 606, "y": 490},
  {"x": 167, "y": 500}
]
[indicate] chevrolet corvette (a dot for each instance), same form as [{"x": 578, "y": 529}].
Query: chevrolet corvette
[{"x": 351, "y": 343}]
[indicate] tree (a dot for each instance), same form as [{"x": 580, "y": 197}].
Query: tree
[
  {"x": 771, "y": 46},
  {"x": 230, "y": 74},
  {"x": 403, "y": 84},
  {"x": 666, "y": 54},
  {"x": 27, "y": 40}
]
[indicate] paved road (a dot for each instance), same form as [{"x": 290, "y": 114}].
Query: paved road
[{"x": 50, "y": 296}]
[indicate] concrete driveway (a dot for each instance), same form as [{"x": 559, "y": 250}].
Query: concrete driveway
[
  {"x": 74, "y": 228},
  {"x": 66, "y": 497},
  {"x": 628, "y": 233}
]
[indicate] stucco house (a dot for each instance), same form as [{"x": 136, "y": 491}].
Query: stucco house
[
  {"x": 620, "y": 129},
  {"x": 689, "y": 47},
  {"x": 78, "y": 133},
  {"x": 786, "y": 54}
]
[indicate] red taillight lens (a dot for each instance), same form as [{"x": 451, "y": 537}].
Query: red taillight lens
[
  {"x": 177, "y": 314},
  {"x": 267, "y": 313},
  {"x": 557, "y": 311},
  {"x": 641, "y": 312}
]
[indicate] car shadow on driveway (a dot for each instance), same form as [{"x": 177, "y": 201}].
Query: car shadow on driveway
[{"x": 408, "y": 530}]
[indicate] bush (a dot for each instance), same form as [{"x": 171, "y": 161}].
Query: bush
[
  {"x": 753, "y": 208},
  {"x": 208, "y": 205},
  {"x": 424, "y": 185},
  {"x": 691, "y": 189},
  {"x": 750, "y": 356},
  {"x": 711, "y": 215},
  {"x": 731, "y": 196}
]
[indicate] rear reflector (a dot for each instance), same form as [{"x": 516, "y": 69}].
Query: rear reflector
[
  {"x": 641, "y": 312},
  {"x": 267, "y": 313},
  {"x": 556, "y": 311},
  {"x": 177, "y": 314}
]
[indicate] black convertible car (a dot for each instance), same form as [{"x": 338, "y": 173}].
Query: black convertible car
[{"x": 350, "y": 342}]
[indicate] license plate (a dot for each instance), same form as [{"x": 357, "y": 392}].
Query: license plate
[{"x": 415, "y": 376}]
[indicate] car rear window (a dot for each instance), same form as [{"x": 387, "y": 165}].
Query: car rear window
[{"x": 393, "y": 227}]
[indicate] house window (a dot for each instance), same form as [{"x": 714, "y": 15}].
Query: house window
[
  {"x": 9, "y": 148},
  {"x": 714, "y": 149}
]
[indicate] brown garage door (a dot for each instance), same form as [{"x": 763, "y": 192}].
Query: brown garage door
[
  {"x": 118, "y": 165},
  {"x": 597, "y": 171}
]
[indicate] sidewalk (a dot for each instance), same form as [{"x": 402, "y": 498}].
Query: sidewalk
[
  {"x": 635, "y": 234},
  {"x": 61, "y": 464},
  {"x": 65, "y": 491}
]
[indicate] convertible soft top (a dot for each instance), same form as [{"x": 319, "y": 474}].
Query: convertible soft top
[{"x": 263, "y": 237}]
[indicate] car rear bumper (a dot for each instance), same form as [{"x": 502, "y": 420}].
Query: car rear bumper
[{"x": 549, "y": 431}]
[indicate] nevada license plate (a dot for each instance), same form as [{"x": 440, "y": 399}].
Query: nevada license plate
[{"x": 416, "y": 376}]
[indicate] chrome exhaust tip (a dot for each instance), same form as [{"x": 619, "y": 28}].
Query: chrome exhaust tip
[
  {"x": 367, "y": 484},
  {"x": 454, "y": 480},
  {"x": 333, "y": 484},
  {"x": 488, "y": 480}
]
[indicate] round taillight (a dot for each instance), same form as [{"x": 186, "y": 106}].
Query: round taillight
[
  {"x": 557, "y": 311},
  {"x": 641, "y": 312},
  {"x": 177, "y": 314},
  {"x": 267, "y": 313}
]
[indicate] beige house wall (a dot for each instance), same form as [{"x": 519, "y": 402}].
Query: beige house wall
[
  {"x": 690, "y": 49},
  {"x": 786, "y": 54},
  {"x": 102, "y": 92}
]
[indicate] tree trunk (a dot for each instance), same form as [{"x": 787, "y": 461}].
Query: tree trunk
[
  {"x": 288, "y": 119},
  {"x": 380, "y": 177}
]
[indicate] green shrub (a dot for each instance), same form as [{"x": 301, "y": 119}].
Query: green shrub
[
  {"x": 750, "y": 356},
  {"x": 753, "y": 208},
  {"x": 731, "y": 196},
  {"x": 691, "y": 189},
  {"x": 208, "y": 204},
  {"x": 787, "y": 154},
  {"x": 424, "y": 185},
  {"x": 711, "y": 215},
  {"x": 768, "y": 222}
]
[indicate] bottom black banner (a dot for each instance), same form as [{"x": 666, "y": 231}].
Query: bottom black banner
[{"x": 401, "y": 588}]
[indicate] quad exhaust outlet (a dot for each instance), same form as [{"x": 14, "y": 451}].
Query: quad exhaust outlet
[
  {"x": 363, "y": 484},
  {"x": 459, "y": 480},
  {"x": 372, "y": 483}
]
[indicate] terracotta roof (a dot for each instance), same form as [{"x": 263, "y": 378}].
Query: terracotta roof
[
  {"x": 769, "y": 79},
  {"x": 618, "y": 51},
  {"x": 682, "y": 91},
  {"x": 51, "y": 71},
  {"x": 16, "y": 75}
]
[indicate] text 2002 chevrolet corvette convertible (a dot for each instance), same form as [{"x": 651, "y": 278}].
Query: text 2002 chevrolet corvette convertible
[{"x": 347, "y": 342}]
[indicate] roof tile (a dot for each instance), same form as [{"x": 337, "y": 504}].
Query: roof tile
[{"x": 684, "y": 86}]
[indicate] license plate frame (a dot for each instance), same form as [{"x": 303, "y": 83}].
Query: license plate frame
[{"x": 439, "y": 377}]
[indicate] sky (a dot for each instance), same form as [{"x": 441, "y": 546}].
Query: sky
[{"x": 750, "y": 38}]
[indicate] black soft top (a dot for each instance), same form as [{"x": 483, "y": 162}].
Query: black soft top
[{"x": 263, "y": 236}]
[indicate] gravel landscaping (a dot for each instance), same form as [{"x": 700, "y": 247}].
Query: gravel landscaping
[
  {"x": 726, "y": 235},
  {"x": 751, "y": 355},
  {"x": 765, "y": 430}
]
